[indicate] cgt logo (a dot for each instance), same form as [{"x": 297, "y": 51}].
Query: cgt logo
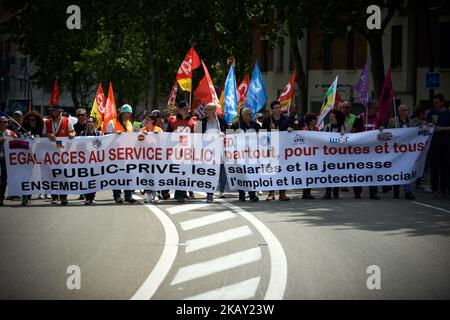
[
  {"x": 341, "y": 139},
  {"x": 183, "y": 140},
  {"x": 97, "y": 143},
  {"x": 298, "y": 139},
  {"x": 385, "y": 136}
]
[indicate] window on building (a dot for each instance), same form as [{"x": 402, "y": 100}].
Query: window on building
[
  {"x": 351, "y": 50},
  {"x": 23, "y": 65},
  {"x": 327, "y": 56},
  {"x": 264, "y": 57},
  {"x": 396, "y": 46},
  {"x": 6, "y": 65},
  {"x": 7, "y": 47},
  {"x": 22, "y": 85},
  {"x": 445, "y": 44},
  {"x": 6, "y": 84},
  {"x": 280, "y": 55}
]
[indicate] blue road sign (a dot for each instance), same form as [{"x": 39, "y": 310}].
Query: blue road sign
[{"x": 433, "y": 80}]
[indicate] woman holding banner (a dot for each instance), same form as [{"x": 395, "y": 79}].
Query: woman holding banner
[
  {"x": 152, "y": 124},
  {"x": 337, "y": 124},
  {"x": 310, "y": 125},
  {"x": 91, "y": 131}
]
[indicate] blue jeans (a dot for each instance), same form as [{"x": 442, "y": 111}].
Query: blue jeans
[
  {"x": 118, "y": 193},
  {"x": 222, "y": 178}
]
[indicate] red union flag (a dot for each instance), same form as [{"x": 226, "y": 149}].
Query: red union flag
[
  {"x": 110, "y": 108},
  {"x": 242, "y": 90},
  {"x": 184, "y": 74},
  {"x": 206, "y": 92},
  {"x": 386, "y": 98},
  {"x": 287, "y": 94},
  {"x": 98, "y": 107},
  {"x": 54, "y": 99}
]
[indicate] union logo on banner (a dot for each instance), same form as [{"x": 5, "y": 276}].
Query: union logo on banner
[
  {"x": 183, "y": 140},
  {"x": 59, "y": 144}
]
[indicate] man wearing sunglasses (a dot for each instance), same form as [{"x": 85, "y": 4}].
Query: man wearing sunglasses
[
  {"x": 81, "y": 124},
  {"x": 4, "y": 133}
]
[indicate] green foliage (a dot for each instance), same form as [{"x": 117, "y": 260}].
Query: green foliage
[{"x": 129, "y": 42}]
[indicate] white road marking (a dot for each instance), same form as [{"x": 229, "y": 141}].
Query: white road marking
[
  {"x": 206, "y": 220},
  {"x": 186, "y": 207},
  {"x": 430, "y": 206},
  {"x": 217, "y": 238},
  {"x": 206, "y": 268},
  {"x": 162, "y": 268},
  {"x": 238, "y": 291},
  {"x": 278, "y": 261}
]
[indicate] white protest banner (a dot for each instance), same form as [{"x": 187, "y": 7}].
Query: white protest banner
[
  {"x": 306, "y": 159},
  {"x": 130, "y": 161}
]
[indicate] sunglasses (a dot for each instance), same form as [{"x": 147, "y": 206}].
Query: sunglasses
[
  {"x": 31, "y": 119},
  {"x": 81, "y": 114},
  {"x": 6, "y": 121}
]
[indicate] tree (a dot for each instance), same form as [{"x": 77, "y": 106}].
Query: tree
[
  {"x": 39, "y": 29},
  {"x": 336, "y": 16},
  {"x": 138, "y": 45}
]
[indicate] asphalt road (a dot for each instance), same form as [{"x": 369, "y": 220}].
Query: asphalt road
[{"x": 314, "y": 249}]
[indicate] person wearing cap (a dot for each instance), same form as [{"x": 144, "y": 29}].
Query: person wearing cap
[
  {"x": 4, "y": 133},
  {"x": 58, "y": 126},
  {"x": 15, "y": 123},
  {"x": 123, "y": 122},
  {"x": 119, "y": 125},
  {"x": 183, "y": 121}
]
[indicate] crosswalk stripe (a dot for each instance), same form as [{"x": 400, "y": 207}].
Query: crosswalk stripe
[
  {"x": 217, "y": 238},
  {"x": 186, "y": 207},
  {"x": 206, "y": 268},
  {"x": 238, "y": 291},
  {"x": 206, "y": 220}
]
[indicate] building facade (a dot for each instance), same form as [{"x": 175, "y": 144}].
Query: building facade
[{"x": 412, "y": 46}]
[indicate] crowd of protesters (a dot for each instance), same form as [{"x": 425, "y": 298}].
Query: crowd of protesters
[{"x": 341, "y": 120}]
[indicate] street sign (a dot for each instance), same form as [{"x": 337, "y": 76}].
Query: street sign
[{"x": 433, "y": 80}]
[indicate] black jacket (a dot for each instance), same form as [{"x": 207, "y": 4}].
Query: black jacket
[
  {"x": 281, "y": 124},
  {"x": 222, "y": 124}
]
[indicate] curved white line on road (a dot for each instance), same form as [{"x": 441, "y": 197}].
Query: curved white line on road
[
  {"x": 278, "y": 261},
  {"x": 430, "y": 206},
  {"x": 162, "y": 268}
]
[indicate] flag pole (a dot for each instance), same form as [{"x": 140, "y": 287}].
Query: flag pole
[
  {"x": 190, "y": 98},
  {"x": 395, "y": 112}
]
